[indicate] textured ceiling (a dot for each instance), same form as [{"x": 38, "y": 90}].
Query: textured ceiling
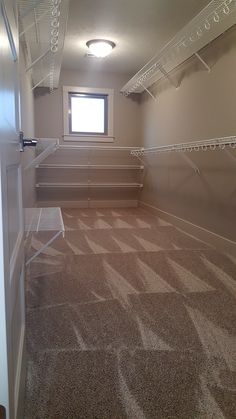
[{"x": 140, "y": 28}]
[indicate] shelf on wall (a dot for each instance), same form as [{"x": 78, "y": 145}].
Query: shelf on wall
[
  {"x": 200, "y": 145},
  {"x": 90, "y": 166},
  {"x": 42, "y": 33},
  {"x": 211, "y": 22},
  {"x": 224, "y": 144},
  {"x": 89, "y": 185}
]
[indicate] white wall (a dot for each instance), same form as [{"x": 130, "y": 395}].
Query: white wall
[{"x": 49, "y": 107}]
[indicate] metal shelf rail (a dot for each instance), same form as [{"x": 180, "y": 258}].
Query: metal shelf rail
[
  {"x": 202, "y": 145},
  {"x": 223, "y": 143},
  {"x": 87, "y": 185},
  {"x": 211, "y": 22},
  {"x": 90, "y": 166}
]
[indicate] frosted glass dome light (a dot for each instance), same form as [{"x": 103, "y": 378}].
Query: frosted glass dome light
[{"x": 100, "y": 47}]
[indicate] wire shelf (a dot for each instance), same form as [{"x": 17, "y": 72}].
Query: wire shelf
[
  {"x": 89, "y": 185},
  {"x": 42, "y": 32},
  {"x": 202, "y": 145},
  {"x": 43, "y": 220},
  {"x": 211, "y": 22},
  {"x": 90, "y": 166}
]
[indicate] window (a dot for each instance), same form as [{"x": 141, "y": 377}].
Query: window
[{"x": 88, "y": 114}]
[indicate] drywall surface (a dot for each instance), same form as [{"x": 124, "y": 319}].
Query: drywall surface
[
  {"x": 49, "y": 107},
  {"x": 203, "y": 107},
  {"x": 27, "y": 126}
]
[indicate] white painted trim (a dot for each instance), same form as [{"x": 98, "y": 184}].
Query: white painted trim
[
  {"x": 90, "y": 204},
  {"x": 77, "y": 89},
  {"x": 20, "y": 376},
  {"x": 80, "y": 89},
  {"x": 219, "y": 242}
]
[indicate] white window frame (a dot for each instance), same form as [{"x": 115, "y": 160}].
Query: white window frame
[{"x": 107, "y": 138}]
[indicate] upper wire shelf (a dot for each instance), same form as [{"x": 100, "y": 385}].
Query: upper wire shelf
[
  {"x": 212, "y": 21},
  {"x": 202, "y": 145},
  {"x": 42, "y": 33}
]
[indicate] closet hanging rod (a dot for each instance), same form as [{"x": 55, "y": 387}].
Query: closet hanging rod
[
  {"x": 210, "y": 23},
  {"x": 202, "y": 145}
]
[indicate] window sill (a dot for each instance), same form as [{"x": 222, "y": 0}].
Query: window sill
[{"x": 88, "y": 138}]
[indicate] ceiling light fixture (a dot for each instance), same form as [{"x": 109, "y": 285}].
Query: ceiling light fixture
[{"x": 100, "y": 47}]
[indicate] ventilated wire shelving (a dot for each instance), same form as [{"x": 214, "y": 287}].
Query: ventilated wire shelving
[
  {"x": 42, "y": 32},
  {"x": 43, "y": 220},
  {"x": 202, "y": 145},
  {"x": 215, "y": 144},
  {"x": 211, "y": 22},
  {"x": 88, "y": 167}
]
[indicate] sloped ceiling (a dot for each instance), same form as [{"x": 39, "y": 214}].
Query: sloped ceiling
[{"x": 140, "y": 28}]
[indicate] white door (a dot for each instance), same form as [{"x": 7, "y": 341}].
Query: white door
[{"x": 12, "y": 321}]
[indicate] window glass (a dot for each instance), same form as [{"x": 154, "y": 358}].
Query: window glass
[{"x": 88, "y": 113}]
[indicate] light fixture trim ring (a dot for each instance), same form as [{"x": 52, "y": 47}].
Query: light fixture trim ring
[{"x": 96, "y": 41}]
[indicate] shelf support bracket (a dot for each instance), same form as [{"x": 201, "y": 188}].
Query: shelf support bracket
[
  {"x": 166, "y": 75},
  {"x": 190, "y": 163},
  {"x": 148, "y": 91},
  {"x": 140, "y": 159},
  {"x": 203, "y": 62},
  {"x": 51, "y": 148},
  {"x": 41, "y": 81},
  {"x": 37, "y": 60},
  {"x": 44, "y": 247}
]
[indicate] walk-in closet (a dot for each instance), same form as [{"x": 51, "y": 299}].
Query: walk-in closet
[{"x": 118, "y": 209}]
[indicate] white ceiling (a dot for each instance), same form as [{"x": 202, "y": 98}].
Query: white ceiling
[{"x": 140, "y": 28}]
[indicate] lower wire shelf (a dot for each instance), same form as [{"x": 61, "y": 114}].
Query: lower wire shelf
[
  {"x": 43, "y": 220},
  {"x": 89, "y": 185},
  {"x": 90, "y": 166}
]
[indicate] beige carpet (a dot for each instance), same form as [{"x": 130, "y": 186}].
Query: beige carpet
[{"x": 128, "y": 317}]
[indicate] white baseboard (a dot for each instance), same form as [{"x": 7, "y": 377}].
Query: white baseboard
[
  {"x": 20, "y": 377},
  {"x": 89, "y": 204},
  {"x": 219, "y": 242}
]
